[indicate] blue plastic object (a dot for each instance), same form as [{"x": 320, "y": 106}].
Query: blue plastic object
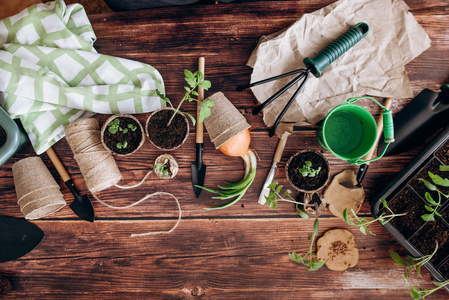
[{"x": 15, "y": 138}]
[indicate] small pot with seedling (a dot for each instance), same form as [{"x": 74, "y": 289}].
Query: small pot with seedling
[
  {"x": 168, "y": 128},
  {"x": 307, "y": 171},
  {"x": 122, "y": 134},
  {"x": 166, "y": 166}
]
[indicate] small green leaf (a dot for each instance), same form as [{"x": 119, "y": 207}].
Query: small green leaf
[
  {"x": 190, "y": 78},
  {"x": 191, "y": 118},
  {"x": 187, "y": 89},
  {"x": 301, "y": 213},
  {"x": 279, "y": 188},
  {"x": 428, "y": 184},
  {"x": 195, "y": 93},
  {"x": 397, "y": 258},
  {"x": 199, "y": 76},
  {"x": 316, "y": 227},
  {"x": 165, "y": 172},
  {"x": 119, "y": 145},
  {"x": 125, "y": 144},
  {"x": 272, "y": 185},
  {"x": 113, "y": 129},
  {"x": 444, "y": 168},
  {"x": 428, "y": 208},
  {"x": 157, "y": 167},
  {"x": 438, "y": 180},
  {"x": 163, "y": 97},
  {"x": 430, "y": 199},
  {"x": 428, "y": 217},
  {"x": 205, "y": 109},
  {"x": 205, "y": 84}
]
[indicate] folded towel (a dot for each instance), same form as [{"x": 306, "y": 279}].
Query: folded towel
[{"x": 51, "y": 75}]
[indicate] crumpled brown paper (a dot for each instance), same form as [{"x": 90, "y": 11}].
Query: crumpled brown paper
[{"x": 374, "y": 66}]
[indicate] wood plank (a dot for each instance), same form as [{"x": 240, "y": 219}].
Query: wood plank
[{"x": 214, "y": 258}]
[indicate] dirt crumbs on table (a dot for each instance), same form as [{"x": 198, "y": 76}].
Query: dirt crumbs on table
[
  {"x": 2, "y": 136},
  {"x": 167, "y": 136}
]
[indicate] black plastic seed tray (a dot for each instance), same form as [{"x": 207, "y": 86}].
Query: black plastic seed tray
[{"x": 405, "y": 194}]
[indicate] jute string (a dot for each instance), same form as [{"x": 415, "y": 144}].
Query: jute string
[
  {"x": 98, "y": 165},
  {"x": 37, "y": 192}
]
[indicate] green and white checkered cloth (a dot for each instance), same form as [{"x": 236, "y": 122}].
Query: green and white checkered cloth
[{"x": 51, "y": 75}]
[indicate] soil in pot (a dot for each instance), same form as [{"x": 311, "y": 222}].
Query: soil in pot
[
  {"x": 163, "y": 136},
  {"x": 308, "y": 183},
  {"x": 126, "y": 140},
  {"x": 421, "y": 189},
  {"x": 444, "y": 270},
  {"x": 425, "y": 240},
  {"x": 443, "y": 153},
  {"x": 407, "y": 202},
  {"x": 2, "y": 136}
]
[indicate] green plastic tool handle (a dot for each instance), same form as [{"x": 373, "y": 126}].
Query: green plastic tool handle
[
  {"x": 388, "y": 128},
  {"x": 326, "y": 56}
]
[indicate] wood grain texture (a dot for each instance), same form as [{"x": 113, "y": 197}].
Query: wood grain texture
[{"x": 235, "y": 253}]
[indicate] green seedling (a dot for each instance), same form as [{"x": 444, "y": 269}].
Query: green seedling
[
  {"x": 132, "y": 127},
  {"x": 432, "y": 206},
  {"x": 415, "y": 264},
  {"x": 274, "y": 196},
  {"x": 308, "y": 171},
  {"x": 194, "y": 80},
  {"x": 311, "y": 262},
  {"x": 113, "y": 126},
  {"x": 163, "y": 169},
  {"x": 363, "y": 223},
  {"x": 122, "y": 145}
]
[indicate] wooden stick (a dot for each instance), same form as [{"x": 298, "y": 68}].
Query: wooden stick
[{"x": 199, "y": 126}]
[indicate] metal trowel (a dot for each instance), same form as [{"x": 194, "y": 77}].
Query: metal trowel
[
  {"x": 17, "y": 237},
  {"x": 423, "y": 116},
  {"x": 81, "y": 206}
]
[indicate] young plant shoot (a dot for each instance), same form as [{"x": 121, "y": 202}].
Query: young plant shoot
[
  {"x": 432, "y": 205},
  {"x": 311, "y": 262},
  {"x": 194, "y": 80},
  {"x": 415, "y": 264},
  {"x": 236, "y": 146},
  {"x": 363, "y": 224},
  {"x": 308, "y": 171},
  {"x": 163, "y": 169},
  {"x": 274, "y": 196}
]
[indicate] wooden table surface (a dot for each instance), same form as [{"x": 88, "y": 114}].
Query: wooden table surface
[{"x": 240, "y": 252}]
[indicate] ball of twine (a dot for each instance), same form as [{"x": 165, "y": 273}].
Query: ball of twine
[
  {"x": 96, "y": 163},
  {"x": 37, "y": 192}
]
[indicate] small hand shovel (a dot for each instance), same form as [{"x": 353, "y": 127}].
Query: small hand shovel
[
  {"x": 81, "y": 206},
  {"x": 198, "y": 168}
]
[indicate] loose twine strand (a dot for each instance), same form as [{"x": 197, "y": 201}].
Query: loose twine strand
[{"x": 99, "y": 168}]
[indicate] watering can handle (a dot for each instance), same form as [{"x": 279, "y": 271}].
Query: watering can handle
[
  {"x": 388, "y": 129},
  {"x": 326, "y": 56}
]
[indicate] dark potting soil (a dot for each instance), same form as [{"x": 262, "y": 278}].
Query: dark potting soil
[
  {"x": 443, "y": 153},
  {"x": 167, "y": 137},
  {"x": 308, "y": 183},
  {"x": 407, "y": 202},
  {"x": 425, "y": 240},
  {"x": 444, "y": 270},
  {"x": 433, "y": 166},
  {"x": 2, "y": 136},
  {"x": 315, "y": 202},
  {"x": 133, "y": 138}
]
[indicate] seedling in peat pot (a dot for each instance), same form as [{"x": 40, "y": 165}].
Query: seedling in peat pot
[
  {"x": 363, "y": 224},
  {"x": 312, "y": 263},
  {"x": 194, "y": 80},
  {"x": 163, "y": 169},
  {"x": 274, "y": 196},
  {"x": 122, "y": 145},
  {"x": 432, "y": 205},
  {"x": 308, "y": 171},
  {"x": 414, "y": 264}
]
